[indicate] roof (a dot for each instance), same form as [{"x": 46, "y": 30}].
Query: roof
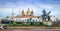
[{"x": 25, "y": 17}]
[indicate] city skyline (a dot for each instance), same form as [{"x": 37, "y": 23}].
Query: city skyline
[{"x": 7, "y": 6}]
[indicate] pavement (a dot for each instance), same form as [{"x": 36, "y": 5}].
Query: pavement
[
  {"x": 31, "y": 29},
  {"x": 28, "y": 29},
  {"x": 37, "y": 27}
]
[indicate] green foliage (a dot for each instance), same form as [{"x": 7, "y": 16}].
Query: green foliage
[
  {"x": 14, "y": 23},
  {"x": 26, "y": 24},
  {"x": 41, "y": 23},
  {"x": 36, "y": 23}
]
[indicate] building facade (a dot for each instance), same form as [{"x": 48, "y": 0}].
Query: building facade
[{"x": 26, "y": 17}]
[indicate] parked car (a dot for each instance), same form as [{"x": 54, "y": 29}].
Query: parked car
[{"x": 3, "y": 27}]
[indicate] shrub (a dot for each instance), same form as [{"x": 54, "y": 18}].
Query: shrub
[{"x": 41, "y": 23}]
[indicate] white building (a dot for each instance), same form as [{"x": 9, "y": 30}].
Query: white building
[{"x": 53, "y": 19}]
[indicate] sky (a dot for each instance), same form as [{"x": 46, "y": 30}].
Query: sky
[{"x": 7, "y": 6}]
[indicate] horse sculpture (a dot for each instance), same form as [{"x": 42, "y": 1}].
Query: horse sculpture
[{"x": 45, "y": 15}]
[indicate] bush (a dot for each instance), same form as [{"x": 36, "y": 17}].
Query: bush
[
  {"x": 36, "y": 23},
  {"x": 26, "y": 24},
  {"x": 41, "y": 23}
]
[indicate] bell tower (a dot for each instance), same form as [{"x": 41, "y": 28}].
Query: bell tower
[
  {"x": 28, "y": 13},
  {"x": 32, "y": 13},
  {"x": 23, "y": 13}
]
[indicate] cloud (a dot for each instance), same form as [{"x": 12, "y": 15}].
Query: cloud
[
  {"x": 8, "y": 7},
  {"x": 56, "y": 14}
]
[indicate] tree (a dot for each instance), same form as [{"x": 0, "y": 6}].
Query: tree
[
  {"x": 30, "y": 20},
  {"x": 14, "y": 23}
]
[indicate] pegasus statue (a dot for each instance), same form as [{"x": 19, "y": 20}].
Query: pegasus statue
[{"x": 45, "y": 15}]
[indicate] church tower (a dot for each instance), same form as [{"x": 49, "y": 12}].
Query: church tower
[
  {"x": 28, "y": 13},
  {"x": 23, "y": 13},
  {"x": 32, "y": 13}
]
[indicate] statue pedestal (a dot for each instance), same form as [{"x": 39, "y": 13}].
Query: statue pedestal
[{"x": 49, "y": 23}]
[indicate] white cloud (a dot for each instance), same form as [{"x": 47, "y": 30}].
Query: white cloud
[
  {"x": 37, "y": 8},
  {"x": 56, "y": 14},
  {"x": 5, "y": 10}
]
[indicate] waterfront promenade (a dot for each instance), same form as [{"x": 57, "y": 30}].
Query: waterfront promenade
[{"x": 31, "y": 29}]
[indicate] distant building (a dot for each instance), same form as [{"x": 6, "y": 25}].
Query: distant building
[
  {"x": 25, "y": 17},
  {"x": 53, "y": 19}
]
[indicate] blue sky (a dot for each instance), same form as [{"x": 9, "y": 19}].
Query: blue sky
[{"x": 7, "y": 6}]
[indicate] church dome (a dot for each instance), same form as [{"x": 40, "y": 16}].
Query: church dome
[{"x": 29, "y": 12}]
